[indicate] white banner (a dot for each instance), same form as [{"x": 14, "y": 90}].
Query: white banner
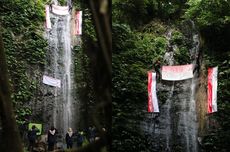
[
  {"x": 60, "y": 10},
  {"x": 78, "y": 23},
  {"x": 51, "y": 81},
  {"x": 212, "y": 89},
  {"x": 152, "y": 96},
  {"x": 179, "y": 72},
  {"x": 48, "y": 22}
]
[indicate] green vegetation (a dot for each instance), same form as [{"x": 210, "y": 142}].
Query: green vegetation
[
  {"x": 22, "y": 27},
  {"x": 139, "y": 39},
  {"x": 208, "y": 13},
  {"x": 140, "y": 29},
  {"x": 88, "y": 71},
  {"x": 213, "y": 19},
  {"x": 23, "y": 31}
]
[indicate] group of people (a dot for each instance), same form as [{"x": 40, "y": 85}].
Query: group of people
[
  {"x": 51, "y": 138},
  {"x": 88, "y": 135}
]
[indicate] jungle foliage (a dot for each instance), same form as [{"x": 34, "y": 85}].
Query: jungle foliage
[
  {"x": 213, "y": 19},
  {"x": 88, "y": 70},
  {"x": 139, "y": 39},
  {"x": 23, "y": 32},
  {"x": 24, "y": 44},
  {"x": 22, "y": 26}
]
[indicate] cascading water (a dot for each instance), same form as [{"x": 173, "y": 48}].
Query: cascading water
[
  {"x": 169, "y": 59},
  {"x": 175, "y": 127},
  {"x": 60, "y": 66},
  {"x": 193, "y": 132},
  {"x": 183, "y": 109}
]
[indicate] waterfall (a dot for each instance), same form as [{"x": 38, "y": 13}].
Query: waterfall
[
  {"x": 167, "y": 108},
  {"x": 175, "y": 128},
  {"x": 60, "y": 66},
  {"x": 184, "y": 125},
  {"x": 169, "y": 59},
  {"x": 192, "y": 108}
]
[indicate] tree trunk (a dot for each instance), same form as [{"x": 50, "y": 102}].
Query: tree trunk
[{"x": 101, "y": 10}]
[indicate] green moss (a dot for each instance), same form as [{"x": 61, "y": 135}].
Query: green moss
[
  {"x": 177, "y": 38},
  {"x": 25, "y": 47},
  {"x": 155, "y": 27}
]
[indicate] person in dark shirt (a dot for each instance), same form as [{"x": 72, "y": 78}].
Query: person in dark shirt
[
  {"x": 92, "y": 133},
  {"x": 80, "y": 138},
  {"x": 69, "y": 138},
  {"x": 157, "y": 66},
  {"x": 52, "y": 138},
  {"x": 32, "y": 136}
]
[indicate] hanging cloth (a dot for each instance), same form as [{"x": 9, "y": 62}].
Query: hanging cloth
[
  {"x": 212, "y": 89},
  {"x": 48, "y": 22},
  {"x": 60, "y": 10},
  {"x": 78, "y": 23},
  {"x": 51, "y": 81},
  {"x": 152, "y": 96},
  {"x": 179, "y": 72}
]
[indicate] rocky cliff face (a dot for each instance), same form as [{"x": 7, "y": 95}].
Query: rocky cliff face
[
  {"x": 175, "y": 128},
  {"x": 53, "y": 105}
]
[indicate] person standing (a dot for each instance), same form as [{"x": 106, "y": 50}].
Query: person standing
[
  {"x": 32, "y": 136},
  {"x": 69, "y": 138},
  {"x": 52, "y": 138},
  {"x": 92, "y": 133},
  {"x": 80, "y": 138},
  {"x": 157, "y": 67}
]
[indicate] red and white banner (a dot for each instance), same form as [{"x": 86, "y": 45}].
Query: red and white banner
[
  {"x": 60, "y": 10},
  {"x": 48, "y": 22},
  {"x": 212, "y": 89},
  {"x": 179, "y": 72},
  {"x": 51, "y": 81},
  {"x": 152, "y": 96},
  {"x": 78, "y": 23}
]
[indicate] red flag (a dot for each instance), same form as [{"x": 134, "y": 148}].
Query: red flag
[
  {"x": 78, "y": 23},
  {"x": 212, "y": 89},
  {"x": 152, "y": 96}
]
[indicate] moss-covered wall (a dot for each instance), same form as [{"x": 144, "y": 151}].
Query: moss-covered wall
[{"x": 22, "y": 28}]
